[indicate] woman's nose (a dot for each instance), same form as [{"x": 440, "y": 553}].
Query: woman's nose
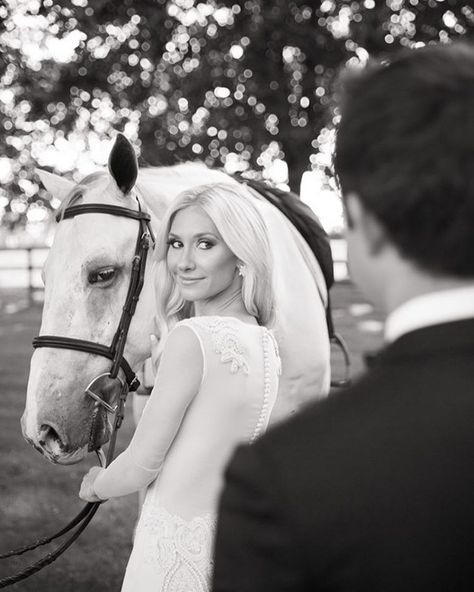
[{"x": 186, "y": 260}]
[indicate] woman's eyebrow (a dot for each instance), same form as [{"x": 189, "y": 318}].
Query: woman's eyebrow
[
  {"x": 201, "y": 234},
  {"x": 194, "y": 236}
]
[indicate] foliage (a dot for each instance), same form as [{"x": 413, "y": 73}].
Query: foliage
[{"x": 240, "y": 84}]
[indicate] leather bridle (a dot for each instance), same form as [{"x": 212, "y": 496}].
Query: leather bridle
[{"x": 115, "y": 350}]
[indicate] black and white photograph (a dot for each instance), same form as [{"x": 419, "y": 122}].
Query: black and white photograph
[{"x": 236, "y": 296}]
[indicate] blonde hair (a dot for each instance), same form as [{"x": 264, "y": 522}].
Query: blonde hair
[{"x": 244, "y": 231}]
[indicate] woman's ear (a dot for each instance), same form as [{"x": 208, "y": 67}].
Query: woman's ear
[{"x": 241, "y": 269}]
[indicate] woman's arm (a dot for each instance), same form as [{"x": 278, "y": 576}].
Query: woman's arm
[{"x": 177, "y": 382}]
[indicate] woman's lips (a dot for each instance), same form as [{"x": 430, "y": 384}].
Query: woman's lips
[{"x": 187, "y": 281}]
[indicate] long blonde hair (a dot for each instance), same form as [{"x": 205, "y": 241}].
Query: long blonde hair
[{"x": 244, "y": 231}]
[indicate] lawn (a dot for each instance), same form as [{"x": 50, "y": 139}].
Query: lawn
[{"x": 37, "y": 498}]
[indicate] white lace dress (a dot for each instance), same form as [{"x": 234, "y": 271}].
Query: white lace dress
[{"x": 239, "y": 380}]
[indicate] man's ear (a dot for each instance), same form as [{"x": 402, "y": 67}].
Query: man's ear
[{"x": 363, "y": 221}]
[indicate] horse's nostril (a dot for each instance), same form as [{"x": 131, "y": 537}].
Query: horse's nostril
[{"x": 49, "y": 439}]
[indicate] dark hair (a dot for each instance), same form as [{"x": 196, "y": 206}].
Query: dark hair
[{"x": 405, "y": 146}]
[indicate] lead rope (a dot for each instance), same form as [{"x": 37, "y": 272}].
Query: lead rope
[{"x": 82, "y": 519}]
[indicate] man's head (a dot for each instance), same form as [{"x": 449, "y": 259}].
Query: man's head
[{"x": 405, "y": 157}]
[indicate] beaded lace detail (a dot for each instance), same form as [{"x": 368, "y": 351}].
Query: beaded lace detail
[
  {"x": 225, "y": 342},
  {"x": 182, "y": 549}
]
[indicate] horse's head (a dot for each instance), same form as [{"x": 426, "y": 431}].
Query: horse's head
[{"x": 86, "y": 276}]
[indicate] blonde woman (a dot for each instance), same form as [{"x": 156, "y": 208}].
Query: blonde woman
[{"x": 215, "y": 387}]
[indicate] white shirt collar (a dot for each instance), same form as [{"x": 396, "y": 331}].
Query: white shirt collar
[{"x": 430, "y": 309}]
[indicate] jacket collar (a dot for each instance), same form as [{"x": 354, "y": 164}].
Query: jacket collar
[{"x": 443, "y": 338}]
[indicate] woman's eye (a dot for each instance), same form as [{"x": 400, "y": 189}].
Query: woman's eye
[
  {"x": 174, "y": 244},
  {"x": 205, "y": 244},
  {"x": 102, "y": 276}
]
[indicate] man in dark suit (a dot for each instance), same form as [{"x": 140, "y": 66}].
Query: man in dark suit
[{"x": 373, "y": 488}]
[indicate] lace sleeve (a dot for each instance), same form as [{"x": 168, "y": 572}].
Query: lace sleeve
[{"x": 177, "y": 383}]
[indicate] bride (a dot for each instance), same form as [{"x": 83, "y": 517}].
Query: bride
[{"x": 215, "y": 387}]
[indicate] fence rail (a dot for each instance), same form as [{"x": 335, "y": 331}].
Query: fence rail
[{"x": 21, "y": 267}]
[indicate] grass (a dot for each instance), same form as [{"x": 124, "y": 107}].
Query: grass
[{"x": 37, "y": 498}]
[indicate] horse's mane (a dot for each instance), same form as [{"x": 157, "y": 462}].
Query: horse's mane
[
  {"x": 168, "y": 181},
  {"x": 181, "y": 176}
]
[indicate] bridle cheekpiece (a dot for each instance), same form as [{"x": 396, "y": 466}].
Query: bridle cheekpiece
[{"x": 114, "y": 351}]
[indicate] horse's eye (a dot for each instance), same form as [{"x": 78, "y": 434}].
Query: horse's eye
[{"x": 101, "y": 276}]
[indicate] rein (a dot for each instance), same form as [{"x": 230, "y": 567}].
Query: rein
[{"x": 114, "y": 352}]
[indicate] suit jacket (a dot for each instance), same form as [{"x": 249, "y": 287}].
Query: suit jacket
[{"x": 369, "y": 490}]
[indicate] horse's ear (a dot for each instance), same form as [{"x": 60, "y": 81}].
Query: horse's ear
[
  {"x": 123, "y": 164},
  {"x": 57, "y": 186}
]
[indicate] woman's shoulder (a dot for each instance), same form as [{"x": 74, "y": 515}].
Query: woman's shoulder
[
  {"x": 183, "y": 341},
  {"x": 182, "y": 351}
]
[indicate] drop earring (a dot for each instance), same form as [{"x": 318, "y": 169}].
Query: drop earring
[{"x": 241, "y": 268}]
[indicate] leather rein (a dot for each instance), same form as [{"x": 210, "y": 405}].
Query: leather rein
[{"x": 114, "y": 352}]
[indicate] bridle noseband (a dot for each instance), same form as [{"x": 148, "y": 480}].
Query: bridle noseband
[{"x": 114, "y": 352}]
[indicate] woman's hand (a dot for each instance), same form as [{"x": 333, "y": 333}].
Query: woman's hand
[{"x": 86, "y": 491}]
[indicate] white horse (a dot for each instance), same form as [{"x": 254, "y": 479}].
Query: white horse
[{"x": 80, "y": 302}]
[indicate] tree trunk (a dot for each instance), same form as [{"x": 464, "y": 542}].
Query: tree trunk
[{"x": 298, "y": 163}]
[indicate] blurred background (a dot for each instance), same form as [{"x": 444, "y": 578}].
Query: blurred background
[{"x": 245, "y": 85}]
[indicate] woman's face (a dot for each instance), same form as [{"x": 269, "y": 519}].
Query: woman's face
[{"x": 201, "y": 263}]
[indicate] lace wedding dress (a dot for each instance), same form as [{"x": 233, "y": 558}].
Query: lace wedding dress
[{"x": 174, "y": 536}]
